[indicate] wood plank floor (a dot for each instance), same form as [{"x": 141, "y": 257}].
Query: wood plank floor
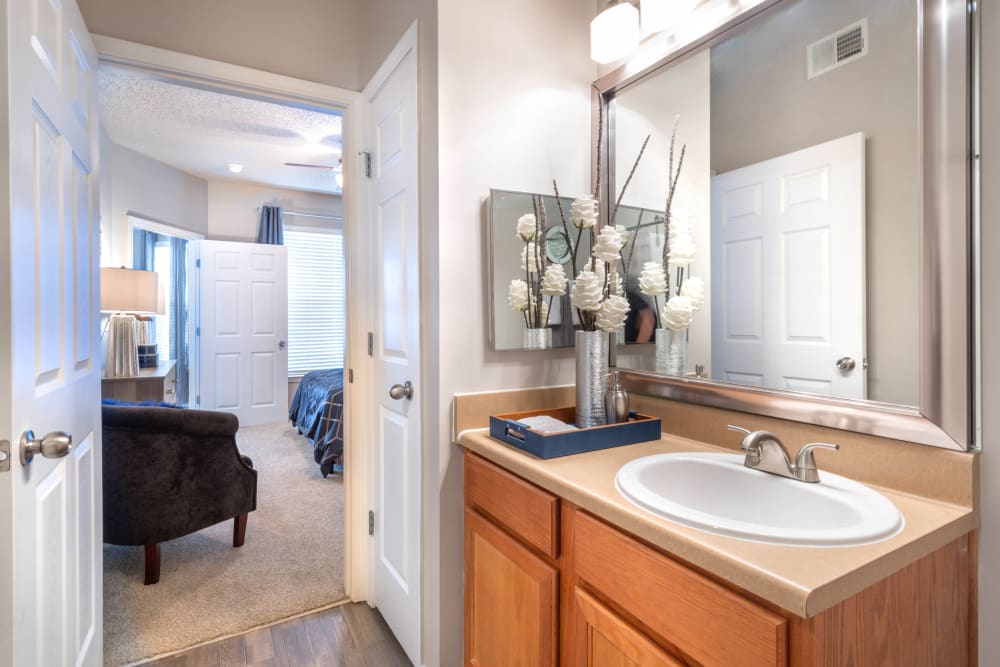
[{"x": 352, "y": 635}]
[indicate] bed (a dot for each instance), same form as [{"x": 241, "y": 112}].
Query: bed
[{"x": 317, "y": 410}]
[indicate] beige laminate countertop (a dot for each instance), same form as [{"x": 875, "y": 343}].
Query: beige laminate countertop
[{"x": 801, "y": 580}]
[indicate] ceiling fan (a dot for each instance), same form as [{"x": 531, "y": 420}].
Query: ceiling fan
[{"x": 338, "y": 170}]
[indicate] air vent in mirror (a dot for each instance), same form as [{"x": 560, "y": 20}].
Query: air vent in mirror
[{"x": 844, "y": 46}]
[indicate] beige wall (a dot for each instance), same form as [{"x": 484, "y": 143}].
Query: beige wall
[
  {"x": 234, "y": 208},
  {"x": 989, "y": 589},
  {"x": 869, "y": 95},
  {"x": 514, "y": 113},
  {"x": 316, "y": 40},
  {"x": 150, "y": 189}
]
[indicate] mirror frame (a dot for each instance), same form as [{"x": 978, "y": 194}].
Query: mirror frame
[{"x": 948, "y": 132}]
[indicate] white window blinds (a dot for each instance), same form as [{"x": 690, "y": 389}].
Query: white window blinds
[{"x": 316, "y": 307}]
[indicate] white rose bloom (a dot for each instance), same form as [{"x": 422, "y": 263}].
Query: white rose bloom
[
  {"x": 694, "y": 289},
  {"x": 682, "y": 250},
  {"x": 526, "y": 227},
  {"x": 583, "y": 212},
  {"x": 531, "y": 258},
  {"x": 517, "y": 295},
  {"x": 608, "y": 245},
  {"x": 554, "y": 281},
  {"x": 677, "y": 313},
  {"x": 612, "y": 314},
  {"x": 587, "y": 291},
  {"x": 653, "y": 280}
]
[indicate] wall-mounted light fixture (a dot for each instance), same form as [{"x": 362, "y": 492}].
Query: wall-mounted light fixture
[{"x": 614, "y": 33}]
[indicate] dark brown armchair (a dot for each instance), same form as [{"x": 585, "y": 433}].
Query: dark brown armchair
[{"x": 170, "y": 472}]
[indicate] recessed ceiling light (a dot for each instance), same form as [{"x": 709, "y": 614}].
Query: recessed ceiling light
[{"x": 235, "y": 168}]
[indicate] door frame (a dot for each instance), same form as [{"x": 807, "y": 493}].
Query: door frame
[{"x": 215, "y": 75}]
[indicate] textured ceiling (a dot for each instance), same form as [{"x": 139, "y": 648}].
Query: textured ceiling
[{"x": 202, "y": 131}]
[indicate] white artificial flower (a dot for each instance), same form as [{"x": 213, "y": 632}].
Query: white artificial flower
[
  {"x": 653, "y": 280},
  {"x": 608, "y": 245},
  {"x": 587, "y": 291},
  {"x": 677, "y": 313},
  {"x": 625, "y": 234},
  {"x": 583, "y": 212},
  {"x": 612, "y": 314},
  {"x": 531, "y": 259},
  {"x": 517, "y": 295},
  {"x": 681, "y": 240},
  {"x": 694, "y": 289},
  {"x": 554, "y": 281},
  {"x": 526, "y": 227}
]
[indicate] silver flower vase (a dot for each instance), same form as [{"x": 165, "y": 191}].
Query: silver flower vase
[
  {"x": 671, "y": 352},
  {"x": 591, "y": 369},
  {"x": 538, "y": 339}
]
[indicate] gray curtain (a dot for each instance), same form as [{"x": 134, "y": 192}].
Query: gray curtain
[
  {"x": 271, "y": 229},
  {"x": 143, "y": 245},
  {"x": 178, "y": 316}
]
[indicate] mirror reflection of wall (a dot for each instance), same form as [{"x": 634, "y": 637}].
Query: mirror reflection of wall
[{"x": 782, "y": 283}]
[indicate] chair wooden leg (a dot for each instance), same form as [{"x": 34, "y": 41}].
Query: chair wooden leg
[
  {"x": 152, "y": 564},
  {"x": 239, "y": 530}
]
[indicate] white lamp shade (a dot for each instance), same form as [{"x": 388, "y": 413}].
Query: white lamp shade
[
  {"x": 129, "y": 291},
  {"x": 659, "y": 15},
  {"x": 614, "y": 33}
]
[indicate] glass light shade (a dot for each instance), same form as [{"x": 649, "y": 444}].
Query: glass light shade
[
  {"x": 660, "y": 15},
  {"x": 614, "y": 33},
  {"x": 129, "y": 291}
]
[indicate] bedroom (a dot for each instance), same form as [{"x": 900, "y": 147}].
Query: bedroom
[{"x": 192, "y": 178}]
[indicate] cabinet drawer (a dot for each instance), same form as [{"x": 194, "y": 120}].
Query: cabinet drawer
[
  {"x": 706, "y": 621},
  {"x": 522, "y": 508}
]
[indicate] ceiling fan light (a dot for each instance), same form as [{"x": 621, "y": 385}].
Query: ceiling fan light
[{"x": 614, "y": 33}]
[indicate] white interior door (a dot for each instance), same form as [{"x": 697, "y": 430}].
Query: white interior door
[
  {"x": 788, "y": 271},
  {"x": 50, "y": 365},
  {"x": 242, "y": 329},
  {"x": 391, "y": 134}
]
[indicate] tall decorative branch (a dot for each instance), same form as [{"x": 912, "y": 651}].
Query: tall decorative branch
[
  {"x": 631, "y": 173},
  {"x": 600, "y": 140},
  {"x": 672, "y": 178}
]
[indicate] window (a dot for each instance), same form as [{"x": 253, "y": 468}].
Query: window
[{"x": 316, "y": 305}]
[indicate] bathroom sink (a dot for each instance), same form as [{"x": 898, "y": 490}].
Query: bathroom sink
[{"x": 718, "y": 494}]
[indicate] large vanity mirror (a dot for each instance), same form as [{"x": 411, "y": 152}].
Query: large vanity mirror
[{"x": 826, "y": 184}]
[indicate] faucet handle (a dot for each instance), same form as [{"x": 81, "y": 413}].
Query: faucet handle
[{"x": 805, "y": 464}]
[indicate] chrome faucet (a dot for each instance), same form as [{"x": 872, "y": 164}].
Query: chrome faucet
[{"x": 765, "y": 452}]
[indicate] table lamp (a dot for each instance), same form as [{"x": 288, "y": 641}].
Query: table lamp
[{"x": 126, "y": 293}]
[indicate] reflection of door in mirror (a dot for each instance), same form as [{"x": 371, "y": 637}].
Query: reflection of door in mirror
[
  {"x": 788, "y": 271},
  {"x": 759, "y": 93}
]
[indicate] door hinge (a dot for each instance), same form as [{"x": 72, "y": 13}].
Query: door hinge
[
  {"x": 197, "y": 400},
  {"x": 371, "y": 522},
  {"x": 350, "y": 375},
  {"x": 197, "y": 331},
  {"x": 197, "y": 263},
  {"x": 366, "y": 162},
  {"x": 371, "y": 344},
  {"x": 4, "y": 455}
]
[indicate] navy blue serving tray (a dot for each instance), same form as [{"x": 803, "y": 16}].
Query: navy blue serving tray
[{"x": 507, "y": 428}]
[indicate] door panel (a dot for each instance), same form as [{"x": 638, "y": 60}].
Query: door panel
[
  {"x": 604, "y": 639},
  {"x": 50, "y": 521},
  {"x": 788, "y": 271},
  {"x": 243, "y": 318},
  {"x": 392, "y": 133}
]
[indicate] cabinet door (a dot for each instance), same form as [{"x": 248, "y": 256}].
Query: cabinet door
[
  {"x": 510, "y": 600},
  {"x": 601, "y": 638}
]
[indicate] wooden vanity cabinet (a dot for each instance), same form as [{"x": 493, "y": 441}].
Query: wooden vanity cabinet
[{"x": 547, "y": 583}]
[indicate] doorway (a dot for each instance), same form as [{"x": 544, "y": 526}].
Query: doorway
[{"x": 298, "y": 540}]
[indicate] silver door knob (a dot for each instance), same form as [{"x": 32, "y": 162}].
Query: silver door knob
[
  {"x": 846, "y": 364},
  {"x": 401, "y": 391},
  {"x": 52, "y": 445}
]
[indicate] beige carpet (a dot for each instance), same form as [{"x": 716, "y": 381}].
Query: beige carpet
[{"x": 292, "y": 560}]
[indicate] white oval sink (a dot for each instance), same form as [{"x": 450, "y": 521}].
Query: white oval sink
[{"x": 717, "y": 493}]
